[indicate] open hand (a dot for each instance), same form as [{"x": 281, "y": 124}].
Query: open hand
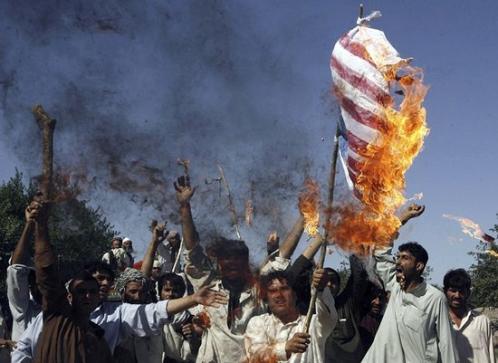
[
  {"x": 297, "y": 344},
  {"x": 208, "y": 297},
  {"x": 184, "y": 191}
]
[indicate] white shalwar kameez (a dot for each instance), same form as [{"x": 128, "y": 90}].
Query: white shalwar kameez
[{"x": 416, "y": 326}]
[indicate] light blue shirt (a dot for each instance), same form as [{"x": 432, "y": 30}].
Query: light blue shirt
[{"x": 119, "y": 321}]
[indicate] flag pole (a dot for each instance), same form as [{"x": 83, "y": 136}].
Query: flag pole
[{"x": 328, "y": 214}]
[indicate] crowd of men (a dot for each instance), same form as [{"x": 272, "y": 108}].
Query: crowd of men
[{"x": 214, "y": 307}]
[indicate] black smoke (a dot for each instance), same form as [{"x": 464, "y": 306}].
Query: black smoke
[{"x": 136, "y": 85}]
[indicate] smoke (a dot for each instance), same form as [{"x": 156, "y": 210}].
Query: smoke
[{"x": 134, "y": 86}]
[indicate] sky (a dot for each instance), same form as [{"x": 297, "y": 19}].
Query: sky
[{"x": 244, "y": 84}]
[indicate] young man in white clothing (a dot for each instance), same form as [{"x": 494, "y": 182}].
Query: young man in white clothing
[
  {"x": 473, "y": 333},
  {"x": 279, "y": 335}
]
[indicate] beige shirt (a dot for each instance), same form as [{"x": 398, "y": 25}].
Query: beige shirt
[{"x": 474, "y": 339}]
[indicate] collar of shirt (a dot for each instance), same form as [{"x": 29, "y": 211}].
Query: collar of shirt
[
  {"x": 278, "y": 323},
  {"x": 465, "y": 320}
]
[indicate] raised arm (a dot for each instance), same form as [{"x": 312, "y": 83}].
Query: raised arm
[
  {"x": 21, "y": 253},
  {"x": 47, "y": 277},
  {"x": 184, "y": 193},
  {"x": 312, "y": 248},
  {"x": 159, "y": 234},
  {"x": 18, "y": 278},
  {"x": 304, "y": 263},
  {"x": 385, "y": 264},
  {"x": 292, "y": 239}
]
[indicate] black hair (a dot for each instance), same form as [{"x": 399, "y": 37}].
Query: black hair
[
  {"x": 266, "y": 279},
  {"x": 99, "y": 266},
  {"x": 416, "y": 250},
  {"x": 334, "y": 272},
  {"x": 458, "y": 279},
  {"x": 223, "y": 247},
  {"x": 83, "y": 275},
  {"x": 175, "y": 280}
]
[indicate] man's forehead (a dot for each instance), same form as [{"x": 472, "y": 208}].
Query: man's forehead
[
  {"x": 134, "y": 284},
  {"x": 278, "y": 282},
  {"x": 404, "y": 253}
]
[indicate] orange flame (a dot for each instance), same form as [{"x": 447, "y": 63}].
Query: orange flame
[
  {"x": 309, "y": 203},
  {"x": 202, "y": 319},
  {"x": 381, "y": 180},
  {"x": 264, "y": 356},
  {"x": 471, "y": 228}
]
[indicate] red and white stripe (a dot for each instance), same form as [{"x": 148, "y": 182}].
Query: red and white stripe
[{"x": 363, "y": 95}]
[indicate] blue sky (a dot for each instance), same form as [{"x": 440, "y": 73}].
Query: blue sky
[{"x": 255, "y": 72}]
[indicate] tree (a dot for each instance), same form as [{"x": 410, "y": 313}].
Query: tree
[
  {"x": 79, "y": 233},
  {"x": 483, "y": 273}
]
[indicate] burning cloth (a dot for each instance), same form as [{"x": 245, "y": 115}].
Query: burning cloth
[{"x": 382, "y": 138}]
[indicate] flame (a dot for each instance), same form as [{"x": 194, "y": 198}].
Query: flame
[
  {"x": 309, "y": 204},
  {"x": 471, "y": 228},
  {"x": 203, "y": 320},
  {"x": 381, "y": 179},
  {"x": 264, "y": 356},
  {"x": 415, "y": 197},
  {"x": 249, "y": 212}
]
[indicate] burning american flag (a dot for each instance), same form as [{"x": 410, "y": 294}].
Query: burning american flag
[{"x": 382, "y": 138}]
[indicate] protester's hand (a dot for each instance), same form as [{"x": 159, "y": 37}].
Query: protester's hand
[
  {"x": 31, "y": 212},
  {"x": 198, "y": 329},
  {"x": 184, "y": 191},
  {"x": 37, "y": 211},
  {"x": 297, "y": 344},
  {"x": 188, "y": 331},
  {"x": 320, "y": 279},
  {"x": 208, "y": 297},
  {"x": 159, "y": 232},
  {"x": 414, "y": 210}
]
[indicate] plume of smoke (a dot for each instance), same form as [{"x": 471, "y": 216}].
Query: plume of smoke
[{"x": 136, "y": 86}]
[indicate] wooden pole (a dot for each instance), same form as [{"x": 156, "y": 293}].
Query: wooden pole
[
  {"x": 231, "y": 206},
  {"x": 47, "y": 126},
  {"x": 328, "y": 214}
]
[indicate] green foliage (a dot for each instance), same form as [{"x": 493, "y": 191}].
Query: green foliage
[
  {"x": 484, "y": 274},
  {"x": 79, "y": 233}
]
